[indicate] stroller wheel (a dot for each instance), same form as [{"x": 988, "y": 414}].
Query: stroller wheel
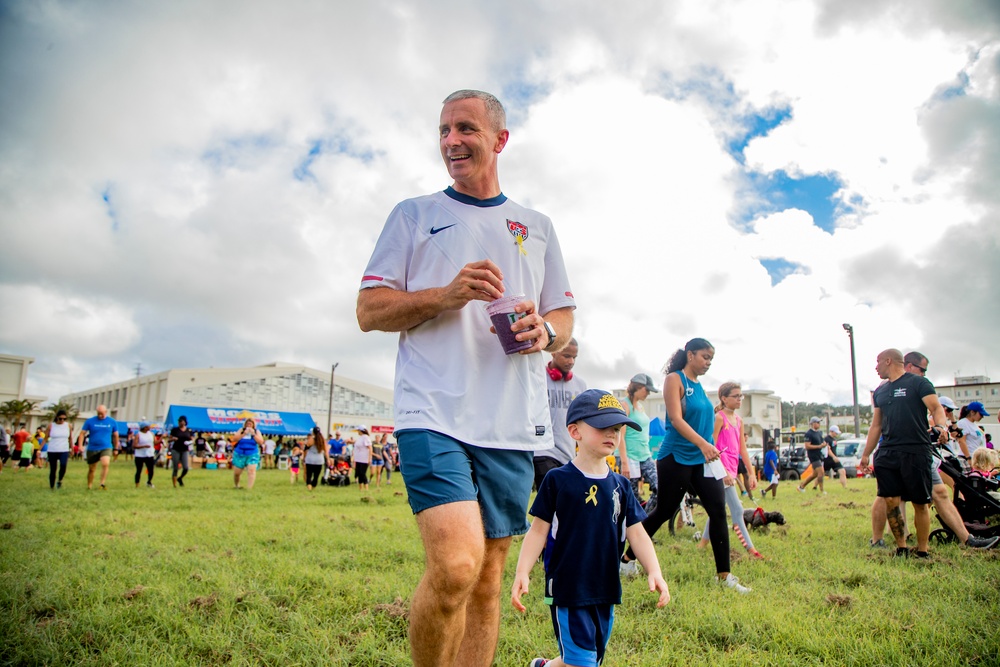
[{"x": 941, "y": 536}]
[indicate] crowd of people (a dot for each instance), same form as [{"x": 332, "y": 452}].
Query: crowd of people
[{"x": 318, "y": 459}]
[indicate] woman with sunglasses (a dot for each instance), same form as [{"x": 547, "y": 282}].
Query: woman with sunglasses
[{"x": 58, "y": 437}]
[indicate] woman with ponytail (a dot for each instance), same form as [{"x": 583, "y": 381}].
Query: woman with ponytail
[
  {"x": 687, "y": 448},
  {"x": 317, "y": 457}
]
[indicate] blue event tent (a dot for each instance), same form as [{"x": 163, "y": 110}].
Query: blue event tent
[
  {"x": 656, "y": 433},
  {"x": 225, "y": 420}
]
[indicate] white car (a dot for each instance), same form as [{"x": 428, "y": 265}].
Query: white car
[{"x": 849, "y": 452}]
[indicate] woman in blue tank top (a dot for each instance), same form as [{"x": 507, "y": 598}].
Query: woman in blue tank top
[{"x": 686, "y": 449}]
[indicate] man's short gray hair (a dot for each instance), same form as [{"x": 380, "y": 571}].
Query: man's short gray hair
[{"x": 494, "y": 110}]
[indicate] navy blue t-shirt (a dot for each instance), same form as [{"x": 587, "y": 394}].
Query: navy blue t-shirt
[{"x": 587, "y": 538}]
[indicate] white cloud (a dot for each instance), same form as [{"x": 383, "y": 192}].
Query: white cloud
[{"x": 225, "y": 241}]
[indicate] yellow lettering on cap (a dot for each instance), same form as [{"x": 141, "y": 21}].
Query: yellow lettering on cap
[{"x": 609, "y": 401}]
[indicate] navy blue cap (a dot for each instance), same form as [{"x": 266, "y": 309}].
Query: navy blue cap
[{"x": 599, "y": 409}]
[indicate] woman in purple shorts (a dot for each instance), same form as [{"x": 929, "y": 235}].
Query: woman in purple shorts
[{"x": 246, "y": 452}]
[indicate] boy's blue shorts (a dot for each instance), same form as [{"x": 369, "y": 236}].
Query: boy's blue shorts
[
  {"x": 583, "y": 632},
  {"x": 438, "y": 469}
]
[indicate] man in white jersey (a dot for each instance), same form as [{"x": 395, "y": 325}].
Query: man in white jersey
[{"x": 467, "y": 416}]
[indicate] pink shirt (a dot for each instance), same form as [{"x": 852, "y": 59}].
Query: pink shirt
[{"x": 728, "y": 444}]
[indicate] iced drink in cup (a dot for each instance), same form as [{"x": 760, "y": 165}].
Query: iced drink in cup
[{"x": 502, "y": 315}]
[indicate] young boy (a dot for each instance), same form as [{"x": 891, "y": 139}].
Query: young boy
[{"x": 583, "y": 513}]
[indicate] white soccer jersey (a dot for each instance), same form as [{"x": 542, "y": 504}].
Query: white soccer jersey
[{"x": 452, "y": 375}]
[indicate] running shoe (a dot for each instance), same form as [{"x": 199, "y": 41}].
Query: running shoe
[
  {"x": 877, "y": 545},
  {"x": 629, "y": 569},
  {"x": 756, "y": 555},
  {"x": 149, "y": 485},
  {"x": 801, "y": 490},
  {"x": 103, "y": 488},
  {"x": 981, "y": 542},
  {"x": 180, "y": 480},
  {"x": 732, "y": 582},
  {"x": 538, "y": 662}
]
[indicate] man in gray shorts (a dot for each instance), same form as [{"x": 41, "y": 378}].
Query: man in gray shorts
[
  {"x": 916, "y": 363},
  {"x": 103, "y": 432},
  {"x": 467, "y": 416}
]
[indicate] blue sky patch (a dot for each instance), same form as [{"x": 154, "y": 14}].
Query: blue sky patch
[
  {"x": 814, "y": 194},
  {"x": 233, "y": 151},
  {"x": 757, "y": 124},
  {"x": 780, "y": 268},
  {"x": 109, "y": 207},
  {"x": 338, "y": 144}
]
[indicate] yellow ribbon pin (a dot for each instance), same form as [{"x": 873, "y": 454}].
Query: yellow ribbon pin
[
  {"x": 592, "y": 496},
  {"x": 520, "y": 245}
]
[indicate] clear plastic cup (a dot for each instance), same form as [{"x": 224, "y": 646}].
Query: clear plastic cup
[{"x": 502, "y": 316}]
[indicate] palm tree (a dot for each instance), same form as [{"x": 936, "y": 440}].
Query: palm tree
[
  {"x": 70, "y": 408},
  {"x": 14, "y": 410}
]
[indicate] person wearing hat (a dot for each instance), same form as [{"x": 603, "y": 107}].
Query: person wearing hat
[
  {"x": 973, "y": 437},
  {"x": 832, "y": 464},
  {"x": 144, "y": 456},
  {"x": 597, "y": 511},
  {"x": 815, "y": 446},
  {"x": 637, "y": 464},
  {"x": 563, "y": 385}
]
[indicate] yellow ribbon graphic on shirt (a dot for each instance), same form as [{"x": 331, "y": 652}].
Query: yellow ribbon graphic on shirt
[
  {"x": 520, "y": 245},
  {"x": 592, "y": 496}
]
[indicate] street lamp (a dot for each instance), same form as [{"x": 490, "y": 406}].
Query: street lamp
[
  {"x": 329, "y": 410},
  {"x": 854, "y": 381}
]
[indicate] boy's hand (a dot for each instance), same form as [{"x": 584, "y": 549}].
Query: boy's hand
[
  {"x": 519, "y": 588},
  {"x": 657, "y": 583}
]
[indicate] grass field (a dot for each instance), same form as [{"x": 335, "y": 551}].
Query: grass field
[{"x": 206, "y": 575}]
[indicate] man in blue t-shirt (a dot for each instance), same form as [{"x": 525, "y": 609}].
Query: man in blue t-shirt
[
  {"x": 336, "y": 444},
  {"x": 103, "y": 432}
]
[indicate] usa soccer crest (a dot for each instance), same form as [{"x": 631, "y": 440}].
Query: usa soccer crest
[{"x": 520, "y": 234}]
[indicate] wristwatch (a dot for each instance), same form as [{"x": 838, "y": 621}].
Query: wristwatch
[{"x": 550, "y": 330}]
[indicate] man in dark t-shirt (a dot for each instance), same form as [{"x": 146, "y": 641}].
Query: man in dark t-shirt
[
  {"x": 814, "y": 450},
  {"x": 903, "y": 461}
]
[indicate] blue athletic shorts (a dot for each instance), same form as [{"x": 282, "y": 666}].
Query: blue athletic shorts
[
  {"x": 243, "y": 460},
  {"x": 438, "y": 469},
  {"x": 583, "y": 632}
]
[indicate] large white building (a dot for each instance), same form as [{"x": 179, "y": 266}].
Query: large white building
[{"x": 274, "y": 387}]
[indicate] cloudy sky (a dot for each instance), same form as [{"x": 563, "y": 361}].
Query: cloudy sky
[{"x": 193, "y": 183}]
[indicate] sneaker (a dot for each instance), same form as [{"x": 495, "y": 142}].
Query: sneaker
[
  {"x": 538, "y": 662},
  {"x": 732, "y": 582},
  {"x": 902, "y": 552},
  {"x": 103, "y": 488},
  {"x": 877, "y": 545},
  {"x": 149, "y": 485},
  {"x": 921, "y": 554},
  {"x": 800, "y": 489},
  {"x": 756, "y": 555},
  {"x": 180, "y": 481},
  {"x": 629, "y": 569},
  {"x": 59, "y": 486},
  {"x": 981, "y": 542}
]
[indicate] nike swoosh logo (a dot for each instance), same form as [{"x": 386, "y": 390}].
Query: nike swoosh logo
[{"x": 441, "y": 229}]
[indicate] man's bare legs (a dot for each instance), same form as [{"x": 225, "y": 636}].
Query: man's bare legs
[
  {"x": 948, "y": 512},
  {"x": 455, "y": 614},
  {"x": 922, "y": 521},
  {"x": 894, "y": 517},
  {"x": 879, "y": 518},
  {"x": 105, "y": 464}
]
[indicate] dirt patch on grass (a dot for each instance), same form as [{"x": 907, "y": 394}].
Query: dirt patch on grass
[
  {"x": 133, "y": 593},
  {"x": 837, "y": 600},
  {"x": 204, "y": 601},
  {"x": 396, "y": 609},
  {"x": 6, "y": 526},
  {"x": 854, "y": 580},
  {"x": 849, "y": 505}
]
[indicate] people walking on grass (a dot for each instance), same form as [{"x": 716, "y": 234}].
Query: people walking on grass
[
  {"x": 467, "y": 421},
  {"x": 180, "y": 450},
  {"x": 4, "y": 447},
  {"x": 903, "y": 462},
  {"x": 637, "y": 465},
  {"x": 144, "y": 454},
  {"x": 686, "y": 449},
  {"x": 268, "y": 453},
  {"x": 391, "y": 460},
  {"x": 596, "y": 511},
  {"x": 361, "y": 456},
  {"x": 815, "y": 447},
  {"x": 973, "y": 438},
  {"x": 60, "y": 434},
  {"x": 378, "y": 462},
  {"x": 27, "y": 459},
  {"x": 770, "y": 470},
  {"x": 40, "y": 442},
  {"x": 317, "y": 458},
  {"x": 294, "y": 463},
  {"x": 732, "y": 446},
  {"x": 247, "y": 443},
  {"x": 101, "y": 432},
  {"x": 831, "y": 462}
]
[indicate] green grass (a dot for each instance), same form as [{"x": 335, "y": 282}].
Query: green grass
[{"x": 278, "y": 576}]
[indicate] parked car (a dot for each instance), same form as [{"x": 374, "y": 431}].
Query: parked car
[
  {"x": 792, "y": 462},
  {"x": 849, "y": 452}
]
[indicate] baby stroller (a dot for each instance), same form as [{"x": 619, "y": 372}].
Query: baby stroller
[
  {"x": 338, "y": 473},
  {"x": 980, "y": 511}
]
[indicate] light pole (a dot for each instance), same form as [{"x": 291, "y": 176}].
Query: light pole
[
  {"x": 329, "y": 410},
  {"x": 854, "y": 381}
]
